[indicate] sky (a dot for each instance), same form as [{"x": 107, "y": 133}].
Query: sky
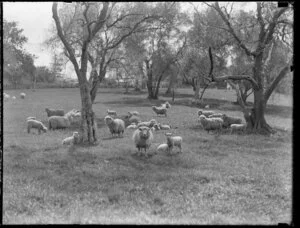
[{"x": 35, "y": 18}]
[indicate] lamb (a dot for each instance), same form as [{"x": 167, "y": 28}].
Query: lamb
[
  {"x": 147, "y": 124},
  {"x": 173, "y": 141},
  {"x": 142, "y": 138},
  {"x": 205, "y": 113},
  {"x": 228, "y": 120},
  {"x": 116, "y": 126},
  {"x": 164, "y": 127},
  {"x": 160, "y": 110},
  {"x": 72, "y": 139},
  {"x": 56, "y": 122},
  {"x": 166, "y": 105},
  {"x": 31, "y": 123},
  {"x": 163, "y": 148},
  {"x": 54, "y": 112},
  {"x": 111, "y": 112},
  {"x": 22, "y": 95},
  {"x": 211, "y": 123},
  {"x": 237, "y": 127},
  {"x": 133, "y": 113}
]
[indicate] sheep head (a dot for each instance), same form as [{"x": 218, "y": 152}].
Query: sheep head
[{"x": 144, "y": 132}]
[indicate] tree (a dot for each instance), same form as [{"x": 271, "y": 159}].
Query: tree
[{"x": 269, "y": 22}]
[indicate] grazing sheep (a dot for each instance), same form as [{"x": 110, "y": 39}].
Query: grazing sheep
[
  {"x": 56, "y": 122},
  {"x": 132, "y": 126},
  {"x": 142, "y": 138},
  {"x": 160, "y": 110},
  {"x": 133, "y": 113},
  {"x": 164, "y": 127},
  {"x": 216, "y": 115},
  {"x": 116, "y": 126},
  {"x": 54, "y": 112},
  {"x": 205, "y": 113},
  {"x": 147, "y": 124},
  {"x": 166, "y": 105},
  {"x": 32, "y": 123},
  {"x": 228, "y": 120},
  {"x": 173, "y": 141},
  {"x": 22, "y": 95},
  {"x": 72, "y": 139},
  {"x": 211, "y": 123},
  {"x": 111, "y": 112},
  {"x": 237, "y": 127},
  {"x": 163, "y": 148}
]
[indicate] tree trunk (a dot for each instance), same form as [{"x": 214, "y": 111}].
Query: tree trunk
[
  {"x": 88, "y": 128},
  {"x": 196, "y": 92}
]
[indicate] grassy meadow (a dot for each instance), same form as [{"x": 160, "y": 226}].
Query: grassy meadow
[{"x": 226, "y": 179}]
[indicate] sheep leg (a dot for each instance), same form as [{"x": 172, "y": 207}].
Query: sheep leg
[{"x": 28, "y": 129}]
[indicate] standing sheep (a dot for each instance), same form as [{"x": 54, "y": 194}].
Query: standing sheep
[
  {"x": 142, "y": 138},
  {"x": 164, "y": 126},
  {"x": 166, "y": 105},
  {"x": 173, "y": 141},
  {"x": 115, "y": 126},
  {"x": 56, "y": 122},
  {"x": 54, "y": 112},
  {"x": 211, "y": 123},
  {"x": 237, "y": 127},
  {"x": 32, "y": 123},
  {"x": 160, "y": 110},
  {"x": 22, "y": 95},
  {"x": 72, "y": 139}
]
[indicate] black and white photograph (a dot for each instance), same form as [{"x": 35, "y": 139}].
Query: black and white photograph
[{"x": 147, "y": 113}]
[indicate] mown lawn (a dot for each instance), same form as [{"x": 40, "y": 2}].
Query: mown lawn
[{"x": 230, "y": 179}]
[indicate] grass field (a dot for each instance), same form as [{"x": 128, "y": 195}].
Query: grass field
[{"x": 230, "y": 179}]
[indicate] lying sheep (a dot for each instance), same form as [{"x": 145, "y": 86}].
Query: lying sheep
[
  {"x": 237, "y": 127},
  {"x": 148, "y": 123},
  {"x": 54, "y": 112},
  {"x": 218, "y": 115},
  {"x": 211, "y": 123},
  {"x": 142, "y": 138},
  {"x": 22, "y": 95},
  {"x": 205, "y": 113},
  {"x": 228, "y": 120},
  {"x": 173, "y": 141},
  {"x": 76, "y": 116},
  {"x": 164, "y": 127},
  {"x": 156, "y": 127},
  {"x": 111, "y": 112},
  {"x": 115, "y": 126},
  {"x": 134, "y": 119},
  {"x": 32, "y": 123},
  {"x": 166, "y": 105},
  {"x": 163, "y": 148},
  {"x": 56, "y": 122},
  {"x": 132, "y": 126},
  {"x": 160, "y": 110},
  {"x": 72, "y": 139},
  {"x": 133, "y": 113}
]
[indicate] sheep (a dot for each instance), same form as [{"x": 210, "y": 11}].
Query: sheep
[
  {"x": 206, "y": 107},
  {"x": 147, "y": 124},
  {"x": 173, "y": 141},
  {"x": 22, "y": 95},
  {"x": 228, "y": 120},
  {"x": 166, "y": 105},
  {"x": 54, "y": 112},
  {"x": 111, "y": 112},
  {"x": 156, "y": 127},
  {"x": 142, "y": 138},
  {"x": 6, "y": 96},
  {"x": 211, "y": 123},
  {"x": 134, "y": 119},
  {"x": 163, "y": 148},
  {"x": 218, "y": 115},
  {"x": 205, "y": 113},
  {"x": 237, "y": 127},
  {"x": 72, "y": 139},
  {"x": 132, "y": 126},
  {"x": 32, "y": 123},
  {"x": 164, "y": 127},
  {"x": 31, "y": 118},
  {"x": 56, "y": 122},
  {"x": 116, "y": 126},
  {"x": 160, "y": 110},
  {"x": 133, "y": 113},
  {"x": 14, "y": 98}
]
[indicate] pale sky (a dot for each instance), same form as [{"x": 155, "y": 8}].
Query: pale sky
[{"x": 35, "y": 19}]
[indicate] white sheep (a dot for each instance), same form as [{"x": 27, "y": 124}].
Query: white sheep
[
  {"x": 163, "y": 148},
  {"x": 174, "y": 141},
  {"x": 205, "y": 113},
  {"x": 54, "y": 112},
  {"x": 132, "y": 126},
  {"x": 142, "y": 138},
  {"x": 56, "y": 122},
  {"x": 72, "y": 139},
  {"x": 216, "y": 115},
  {"x": 147, "y": 123},
  {"x": 237, "y": 127},
  {"x": 164, "y": 126},
  {"x": 23, "y": 95},
  {"x": 6, "y": 96},
  {"x": 14, "y": 98},
  {"x": 32, "y": 123},
  {"x": 166, "y": 105},
  {"x": 211, "y": 123},
  {"x": 134, "y": 119},
  {"x": 133, "y": 113},
  {"x": 160, "y": 110},
  {"x": 228, "y": 120},
  {"x": 115, "y": 126},
  {"x": 156, "y": 127},
  {"x": 111, "y": 112}
]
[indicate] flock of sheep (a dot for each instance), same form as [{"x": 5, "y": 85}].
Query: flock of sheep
[
  {"x": 143, "y": 130},
  {"x": 7, "y": 97}
]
